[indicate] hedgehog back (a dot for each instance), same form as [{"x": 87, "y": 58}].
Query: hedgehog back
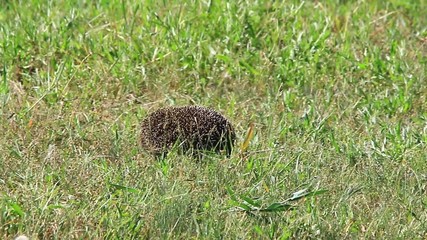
[{"x": 192, "y": 127}]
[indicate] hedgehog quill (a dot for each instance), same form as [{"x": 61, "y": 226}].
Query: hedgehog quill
[{"x": 190, "y": 128}]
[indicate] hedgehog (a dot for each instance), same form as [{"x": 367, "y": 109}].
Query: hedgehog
[{"x": 191, "y": 128}]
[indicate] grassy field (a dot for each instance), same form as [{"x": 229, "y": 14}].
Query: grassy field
[{"x": 336, "y": 92}]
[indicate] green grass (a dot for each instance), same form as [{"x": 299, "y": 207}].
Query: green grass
[{"x": 336, "y": 90}]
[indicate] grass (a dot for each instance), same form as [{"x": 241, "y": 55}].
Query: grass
[{"x": 336, "y": 92}]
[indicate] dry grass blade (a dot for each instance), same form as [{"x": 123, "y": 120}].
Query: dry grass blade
[{"x": 249, "y": 137}]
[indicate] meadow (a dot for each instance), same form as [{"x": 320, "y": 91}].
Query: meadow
[{"x": 334, "y": 91}]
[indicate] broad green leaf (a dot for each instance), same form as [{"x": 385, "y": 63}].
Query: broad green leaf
[
  {"x": 17, "y": 209},
  {"x": 250, "y": 201}
]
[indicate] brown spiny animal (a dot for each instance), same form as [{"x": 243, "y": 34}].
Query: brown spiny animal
[{"x": 190, "y": 128}]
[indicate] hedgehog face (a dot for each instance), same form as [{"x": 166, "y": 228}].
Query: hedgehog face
[{"x": 190, "y": 127}]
